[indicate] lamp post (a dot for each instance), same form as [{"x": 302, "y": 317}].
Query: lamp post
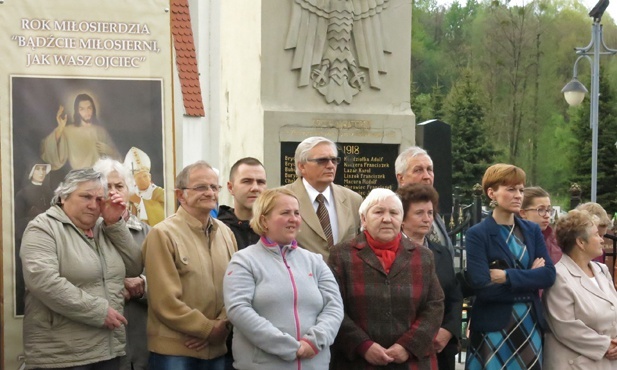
[{"x": 574, "y": 91}]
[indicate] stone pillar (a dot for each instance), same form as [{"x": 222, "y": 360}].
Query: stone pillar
[{"x": 342, "y": 73}]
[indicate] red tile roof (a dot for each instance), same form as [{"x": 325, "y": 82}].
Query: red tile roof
[{"x": 186, "y": 60}]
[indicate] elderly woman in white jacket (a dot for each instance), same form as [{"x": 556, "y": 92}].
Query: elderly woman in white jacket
[{"x": 581, "y": 307}]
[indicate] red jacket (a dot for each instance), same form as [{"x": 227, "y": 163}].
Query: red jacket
[{"x": 551, "y": 245}]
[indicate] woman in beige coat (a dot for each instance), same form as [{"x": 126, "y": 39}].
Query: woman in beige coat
[
  {"x": 75, "y": 257},
  {"x": 581, "y": 307}
]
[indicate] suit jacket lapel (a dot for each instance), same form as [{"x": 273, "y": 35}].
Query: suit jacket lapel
[
  {"x": 497, "y": 239},
  {"x": 403, "y": 257},
  {"x": 343, "y": 211},
  {"x": 528, "y": 237},
  {"x": 603, "y": 281},
  {"x": 585, "y": 281},
  {"x": 367, "y": 255},
  {"x": 309, "y": 217}
]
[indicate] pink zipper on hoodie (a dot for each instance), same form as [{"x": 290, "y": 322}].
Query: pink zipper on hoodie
[
  {"x": 283, "y": 251},
  {"x": 295, "y": 289}
]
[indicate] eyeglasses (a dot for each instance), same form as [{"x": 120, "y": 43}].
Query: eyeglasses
[
  {"x": 324, "y": 161},
  {"x": 204, "y": 188},
  {"x": 542, "y": 212}
]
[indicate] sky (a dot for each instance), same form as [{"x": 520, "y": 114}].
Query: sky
[
  {"x": 612, "y": 7},
  {"x": 589, "y": 4}
]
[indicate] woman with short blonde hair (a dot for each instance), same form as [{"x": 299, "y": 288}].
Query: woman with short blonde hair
[
  {"x": 283, "y": 300},
  {"x": 602, "y": 221}
]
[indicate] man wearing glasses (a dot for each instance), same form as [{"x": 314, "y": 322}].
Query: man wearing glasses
[
  {"x": 186, "y": 256},
  {"x": 329, "y": 212}
]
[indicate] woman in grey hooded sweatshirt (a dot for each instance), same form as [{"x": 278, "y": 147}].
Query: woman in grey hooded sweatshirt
[{"x": 283, "y": 300}]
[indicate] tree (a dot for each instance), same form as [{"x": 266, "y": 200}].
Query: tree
[
  {"x": 472, "y": 151},
  {"x": 509, "y": 44},
  {"x": 458, "y": 24},
  {"x": 423, "y": 107},
  {"x": 520, "y": 58},
  {"x": 437, "y": 101}
]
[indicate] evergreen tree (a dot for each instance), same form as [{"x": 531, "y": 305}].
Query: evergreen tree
[
  {"x": 607, "y": 152},
  {"x": 472, "y": 150},
  {"x": 521, "y": 56},
  {"x": 423, "y": 107},
  {"x": 437, "y": 102}
]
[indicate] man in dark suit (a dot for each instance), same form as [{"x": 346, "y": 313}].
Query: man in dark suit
[
  {"x": 415, "y": 166},
  {"x": 316, "y": 159}
]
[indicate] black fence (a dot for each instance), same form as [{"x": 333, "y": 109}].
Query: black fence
[{"x": 462, "y": 217}]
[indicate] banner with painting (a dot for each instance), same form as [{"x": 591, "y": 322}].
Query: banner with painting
[{"x": 82, "y": 80}]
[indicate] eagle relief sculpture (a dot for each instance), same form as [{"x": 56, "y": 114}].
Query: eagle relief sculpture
[{"x": 321, "y": 34}]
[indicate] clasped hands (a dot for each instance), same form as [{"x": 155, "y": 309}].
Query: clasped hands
[
  {"x": 134, "y": 287},
  {"x": 217, "y": 335},
  {"x": 305, "y": 351},
  {"x": 380, "y": 356},
  {"x": 441, "y": 339}
]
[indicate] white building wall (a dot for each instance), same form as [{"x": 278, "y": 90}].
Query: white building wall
[{"x": 228, "y": 44}]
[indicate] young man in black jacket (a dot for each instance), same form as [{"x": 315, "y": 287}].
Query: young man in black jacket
[{"x": 247, "y": 180}]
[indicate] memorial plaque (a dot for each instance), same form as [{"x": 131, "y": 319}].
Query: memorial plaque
[{"x": 363, "y": 168}]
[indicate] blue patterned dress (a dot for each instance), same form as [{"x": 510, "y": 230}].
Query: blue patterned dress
[{"x": 517, "y": 346}]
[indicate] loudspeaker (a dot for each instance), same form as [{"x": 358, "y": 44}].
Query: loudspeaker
[{"x": 435, "y": 137}]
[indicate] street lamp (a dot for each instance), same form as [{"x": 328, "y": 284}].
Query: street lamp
[{"x": 574, "y": 91}]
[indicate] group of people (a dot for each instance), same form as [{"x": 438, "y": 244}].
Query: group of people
[
  {"x": 541, "y": 301},
  {"x": 308, "y": 275}
]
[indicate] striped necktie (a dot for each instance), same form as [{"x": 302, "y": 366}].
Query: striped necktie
[{"x": 324, "y": 219}]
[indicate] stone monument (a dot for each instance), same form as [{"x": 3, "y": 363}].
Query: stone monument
[{"x": 338, "y": 69}]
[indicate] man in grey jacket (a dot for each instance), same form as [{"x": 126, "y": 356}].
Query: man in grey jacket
[{"x": 415, "y": 166}]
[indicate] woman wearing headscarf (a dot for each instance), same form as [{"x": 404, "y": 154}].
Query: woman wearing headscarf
[
  {"x": 75, "y": 257},
  {"x": 507, "y": 264},
  {"x": 392, "y": 297}
]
